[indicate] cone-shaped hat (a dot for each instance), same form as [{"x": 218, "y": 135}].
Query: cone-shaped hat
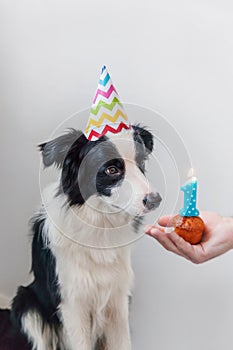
[{"x": 107, "y": 114}]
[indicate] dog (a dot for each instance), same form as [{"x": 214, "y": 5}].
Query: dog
[{"x": 79, "y": 298}]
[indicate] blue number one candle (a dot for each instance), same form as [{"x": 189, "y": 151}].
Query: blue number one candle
[{"x": 190, "y": 198}]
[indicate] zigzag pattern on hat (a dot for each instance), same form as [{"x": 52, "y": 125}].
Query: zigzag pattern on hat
[
  {"x": 109, "y": 106},
  {"x": 108, "y": 117},
  {"x": 106, "y": 110},
  {"x": 108, "y": 128},
  {"x": 106, "y": 94}
]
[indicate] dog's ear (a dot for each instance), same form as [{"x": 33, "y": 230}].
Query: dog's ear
[
  {"x": 141, "y": 134},
  {"x": 55, "y": 151}
]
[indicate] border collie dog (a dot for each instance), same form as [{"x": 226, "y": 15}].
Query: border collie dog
[{"x": 78, "y": 299}]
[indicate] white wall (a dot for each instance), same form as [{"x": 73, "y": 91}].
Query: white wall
[{"x": 171, "y": 56}]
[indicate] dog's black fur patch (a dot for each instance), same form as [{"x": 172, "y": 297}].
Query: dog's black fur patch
[
  {"x": 143, "y": 145},
  {"x": 11, "y": 337},
  {"x": 42, "y": 295},
  {"x": 83, "y": 163}
]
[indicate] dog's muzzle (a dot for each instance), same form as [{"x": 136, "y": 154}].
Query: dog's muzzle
[{"x": 152, "y": 200}]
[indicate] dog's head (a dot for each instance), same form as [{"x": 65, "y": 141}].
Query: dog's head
[{"x": 111, "y": 169}]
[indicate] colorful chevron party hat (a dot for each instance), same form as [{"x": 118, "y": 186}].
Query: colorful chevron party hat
[{"x": 107, "y": 114}]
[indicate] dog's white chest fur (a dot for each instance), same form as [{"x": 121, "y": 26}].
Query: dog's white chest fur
[
  {"x": 93, "y": 286},
  {"x": 94, "y": 282}
]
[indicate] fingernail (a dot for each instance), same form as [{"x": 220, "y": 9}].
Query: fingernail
[
  {"x": 169, "y": 229},
  {"x": 155, "y": 231}
]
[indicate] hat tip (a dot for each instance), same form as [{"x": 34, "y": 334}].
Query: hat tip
[{"x": 103, "y": 68}]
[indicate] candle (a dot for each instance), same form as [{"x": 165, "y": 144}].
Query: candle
[
  {"x": 188, "y": 224},
  {"x": 190, "y": 198}
]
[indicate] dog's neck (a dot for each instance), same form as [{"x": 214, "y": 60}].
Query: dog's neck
[{"x": 87, "y": 226}]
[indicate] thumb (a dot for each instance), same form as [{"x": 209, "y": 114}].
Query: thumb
[{"x": 165, "y": 220}]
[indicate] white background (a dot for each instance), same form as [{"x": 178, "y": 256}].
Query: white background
[{"x": 171, "y": 56}]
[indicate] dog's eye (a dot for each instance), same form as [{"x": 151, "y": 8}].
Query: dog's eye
[{"x": 112, "y": 170}]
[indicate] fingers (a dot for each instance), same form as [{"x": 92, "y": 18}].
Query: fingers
[
  {"x": 194, "y": 253},
  {"x": 163, "y": 239},
  {"x": 165, "y": 220},
  {"x": 148, "y": 228},
  {"x": 176, "y": 244}
]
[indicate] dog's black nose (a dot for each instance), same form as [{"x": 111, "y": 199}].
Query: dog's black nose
[{"x": 152, "y": 200}]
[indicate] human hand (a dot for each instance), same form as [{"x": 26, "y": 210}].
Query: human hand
[{"x": 217, "y": 238}]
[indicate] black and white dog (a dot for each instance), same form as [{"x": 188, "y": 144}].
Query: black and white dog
[{"x": 78, "y": 299}]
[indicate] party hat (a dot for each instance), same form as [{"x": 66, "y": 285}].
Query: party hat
[{"x": 107, "y": 114}]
